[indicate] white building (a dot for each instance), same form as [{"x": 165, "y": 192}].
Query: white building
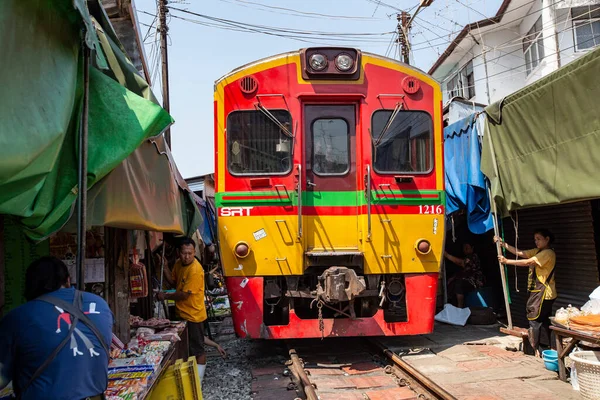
[{"x": 524, "y": 41}]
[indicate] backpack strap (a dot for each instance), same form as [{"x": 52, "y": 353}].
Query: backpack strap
[
  {"x": 51, "y": 357},
  {"x": 75, "y": 310},
  {"x": 78, "y": 315}
]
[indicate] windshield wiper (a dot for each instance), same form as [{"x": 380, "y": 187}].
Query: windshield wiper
[
  {"x": 274, "y": 119},
  {"x": 389, "y": 123}
]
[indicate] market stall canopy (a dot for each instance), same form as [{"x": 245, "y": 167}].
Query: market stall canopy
[
  {"x": 541, "y": 143},
  {"x": 41, "y": 77},
  {"x": 465, "y": 184},
  {"x": 143, "y": 193},
  {"x": 146, "y": 191}
]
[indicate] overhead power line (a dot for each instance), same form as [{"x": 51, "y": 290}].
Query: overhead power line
[
  {"x": 524, "y": 65},
  {"x": 518, "y": 43},
  {"x": 280, "y": 29},
  {"x": 290, "y": 11},
  {"x": 493, "y": 28},
  {"x": 301, "y": 38}
]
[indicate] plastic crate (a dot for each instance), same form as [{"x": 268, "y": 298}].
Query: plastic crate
[{"x": 179, "y": 382}]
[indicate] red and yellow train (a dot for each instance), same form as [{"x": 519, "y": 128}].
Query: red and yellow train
[{"x": 330, "y": 194}]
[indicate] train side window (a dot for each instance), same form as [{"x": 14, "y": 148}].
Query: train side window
[
  {"x": 331, "y": 138},
  {"x": 256, "y": 145},
  {"x": 405, "y": 146}
]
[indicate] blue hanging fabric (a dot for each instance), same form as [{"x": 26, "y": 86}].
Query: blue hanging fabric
[{"x": 465, "y": 183}]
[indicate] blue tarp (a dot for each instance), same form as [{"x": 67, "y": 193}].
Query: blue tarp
[
  {"x": 209, "y": 224},
  {"x": 465, "y": 183}
]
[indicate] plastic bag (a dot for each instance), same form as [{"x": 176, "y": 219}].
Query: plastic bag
[
  {"x": 595, "y": 295},
  {"x": 574, "y": 381},
  {"x": 592, "y": 307},
  {"x": 562, "y": 316},
  {"x": 145, "y": 331},
  {"x": 453, "y": 315},
  {"x": 573, "y": 311}
]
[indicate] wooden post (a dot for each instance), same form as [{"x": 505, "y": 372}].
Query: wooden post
[
  {"x": 117, "y": 259},
  {"x": 163, "y": 30},
  {"x": 82, "y": 186}
]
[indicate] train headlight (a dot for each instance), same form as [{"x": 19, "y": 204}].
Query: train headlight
[
  {"x": 423, "y": 246},
  {"x": 318, "y": 62},
  {"x": 242, "y": 250},
  {"x": 344, "y": 62}
]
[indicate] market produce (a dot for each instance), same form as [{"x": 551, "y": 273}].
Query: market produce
[
  {"x": 133, "y": 370},
  {"x": 141, "y": 373},
  {"x": 586, "y": 320},
  {"x": 123, "y": 390},
  {"x": 135, "y": 320}
]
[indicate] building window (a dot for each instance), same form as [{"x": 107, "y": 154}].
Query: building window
[
  {"x": 586, "y": 27},
  {"x": 405, "y": 146},
  {"x": 256, "y": 145},
  {"x": 331, "y": 138},
  {"x": 533, "y": 46},
  {"x": 462, "y": 84}
]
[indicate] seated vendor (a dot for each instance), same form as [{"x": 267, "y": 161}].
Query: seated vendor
[{"x": 469, "y": 277}]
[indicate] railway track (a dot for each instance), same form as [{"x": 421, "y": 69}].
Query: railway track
[
  {"x": 351, "y": 369},
  {"x": 408, "y": 375}
]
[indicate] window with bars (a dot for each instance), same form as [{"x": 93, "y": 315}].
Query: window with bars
[
  {"x": 405, "y": 146},
  {"x": 462, "y": 84},
  {"x": 533, "y": 46},
  {"x": 586, "y": 27},
  {"x": 256, "y": 145}
]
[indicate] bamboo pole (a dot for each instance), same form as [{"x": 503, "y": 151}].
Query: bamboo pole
[{"x": 499, "y": 252}]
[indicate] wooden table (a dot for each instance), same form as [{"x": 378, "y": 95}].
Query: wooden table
[{"x": 563, "y": 351}]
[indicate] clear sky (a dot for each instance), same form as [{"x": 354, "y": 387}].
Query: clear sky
[{"x": 201, "y": 50}]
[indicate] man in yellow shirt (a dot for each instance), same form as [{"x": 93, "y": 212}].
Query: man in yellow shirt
[{"x": 188, "y": 279}]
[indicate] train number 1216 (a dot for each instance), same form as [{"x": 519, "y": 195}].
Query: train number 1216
[{"x": 431, "y": 209}]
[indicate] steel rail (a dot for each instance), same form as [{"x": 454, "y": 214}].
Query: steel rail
[
  {"x": 426, "y": 383},
  {"x": 297, "y": 368}
]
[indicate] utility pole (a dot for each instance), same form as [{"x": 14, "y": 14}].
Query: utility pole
[
  {"x": 404, "y": 23},
  {"x": 403, "y": 28},
  {"x": 163, "y": 29}
]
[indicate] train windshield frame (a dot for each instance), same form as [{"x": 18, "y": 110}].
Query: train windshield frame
[
  {"x": 400, "y": 150},
  {"x": 256, "y": 145}
]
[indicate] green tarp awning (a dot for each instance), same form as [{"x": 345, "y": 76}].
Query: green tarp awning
[
  {"x": 541, "y": 144},
  {"x": 145, "y": 191},
  {"x": 41, "y": 78}
]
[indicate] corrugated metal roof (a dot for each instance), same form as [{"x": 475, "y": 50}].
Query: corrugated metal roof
[
  {"x": 196, "y": 186},
  {"x": 122, "y": 14}
]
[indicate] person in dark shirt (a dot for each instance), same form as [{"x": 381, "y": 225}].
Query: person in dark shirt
[
  {"x": 469, "y": 277},
  {"x": 31, "y": 332}
]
